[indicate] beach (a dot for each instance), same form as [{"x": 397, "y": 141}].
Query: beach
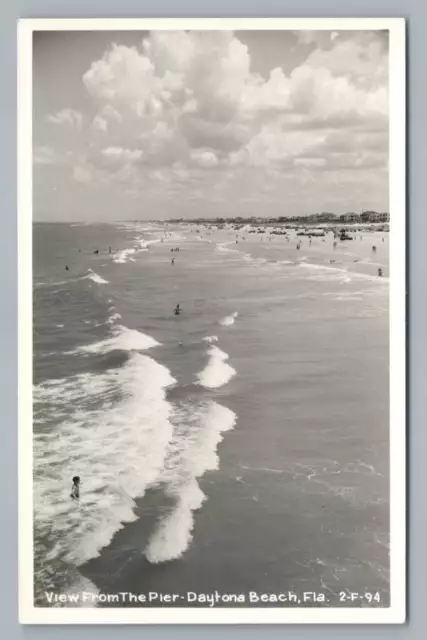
[{"x": 242, "y": 445}]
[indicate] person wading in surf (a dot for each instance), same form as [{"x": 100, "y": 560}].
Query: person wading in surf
[{"x": 75, "y": 489}]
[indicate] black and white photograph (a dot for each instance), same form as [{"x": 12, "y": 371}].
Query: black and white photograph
[{"x": 212, "y": 320}]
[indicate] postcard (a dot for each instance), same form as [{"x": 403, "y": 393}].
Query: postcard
[{"x": 212, "y": 321}]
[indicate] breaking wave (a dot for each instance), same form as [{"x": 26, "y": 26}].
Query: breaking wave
[
  {"x": 123, "y": 338},
  {"x": 96, "y": 278},
  {"x": 118, "y": 448},
  {"x": 124, "y": 255},
  {"x": 223, "y": 247},
  {"x": 192, "y": 452},
  {"x": 229, "y": 320},
  {"x": 217, "y": 372}
]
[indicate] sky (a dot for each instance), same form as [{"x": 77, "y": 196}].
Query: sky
[{"x": 171, "y": 124}]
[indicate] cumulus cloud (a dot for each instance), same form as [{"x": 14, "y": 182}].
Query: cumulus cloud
[
  {"x": 182, "y": 92},
  {"x": 45, "y": 155},
  {"x": 100, "y": 123},
  {"x": 119, "y": 154},
  {"x": 67, "y": 116},
  {"x": 204, "y": 158},
  {"x": 187, "y": 110}
]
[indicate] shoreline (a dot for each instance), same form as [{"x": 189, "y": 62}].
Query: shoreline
[{"x": 233, "y": 223}]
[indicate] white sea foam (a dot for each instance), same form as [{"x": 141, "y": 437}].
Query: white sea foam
[
  {"x": 144, "y": 244},
  {"x": 123, "y": 338},
  {"x": 124, "y": 255},
  {"x": 173, "y": 536},
  {"x": 217, "y": 372},
  {"x": 324, "y": 272},
  {"x": 113, "y": 318},
  {"x": 229, "y": 320},
  {"x": 210, "y": 339},
  {"x": 55, "y": 284},
  {"x": 223, "y": 247},
  {"x": 117, "y": 447},
  {"x": 96, "y": 278},
  {"x": 254, "y": 261},
  {"x": 192, "y": 452}
]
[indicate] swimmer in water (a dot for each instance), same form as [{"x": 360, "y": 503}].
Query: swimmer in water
[
  {"x": 66, "y": 267},
  {"x": 173, "y": 261},
  {"x": 374, "y": 248},
  {"x": 75, "y": 489},
  {"x": 177, "y": 310},
  {"x": 380, "y": 272}
]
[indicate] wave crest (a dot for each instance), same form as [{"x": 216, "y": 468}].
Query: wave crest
[
  {"x": 229, "y": 320},
  {"x": 192, "y": 452},
  {"x": 117, "y": 446},
  {"x": 95, "y": 277},
  {"x": 217, "y": 372},
  {"x": 123, "y": 339}
]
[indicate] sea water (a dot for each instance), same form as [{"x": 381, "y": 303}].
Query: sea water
[{"x": 241, "y": 445}]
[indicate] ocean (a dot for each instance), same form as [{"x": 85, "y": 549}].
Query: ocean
[{"x": 242, "y": 445}]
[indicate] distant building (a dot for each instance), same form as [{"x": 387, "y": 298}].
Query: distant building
[
  {"x": 319, "y": 217},
  {"x": 379, "y": 217},
  {"x": 365, "y": 216},
  {"x": 350, "y": 217},
  {"x": 326, "y": 217},
  {"x": 374, "y": 216}
]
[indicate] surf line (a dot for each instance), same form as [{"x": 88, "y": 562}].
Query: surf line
[
  {"x": 229, "y": 320},
  {"x": 217, "y": 372}
]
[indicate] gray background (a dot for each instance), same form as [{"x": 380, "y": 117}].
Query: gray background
[{"x": 416, "y": 14}]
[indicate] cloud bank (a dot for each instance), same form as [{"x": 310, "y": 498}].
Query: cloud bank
[{"x": 182, "y": 125}]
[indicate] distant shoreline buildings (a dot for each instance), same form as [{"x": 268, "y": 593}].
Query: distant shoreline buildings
[
  {"x": 365, "y": 216},
  {"x": 313, "y": 219}
]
